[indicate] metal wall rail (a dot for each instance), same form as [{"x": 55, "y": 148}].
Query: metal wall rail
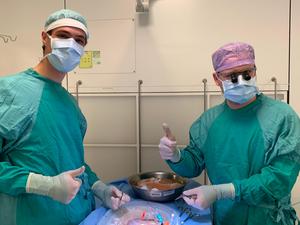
[
  {"x": 273, "y": 79},
  {"x": 138, "y": 145},
  {"x": 205, "y": 108},
  {"x": 138, "y": 123}
]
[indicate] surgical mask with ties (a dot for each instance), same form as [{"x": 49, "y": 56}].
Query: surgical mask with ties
[
  {"x": 241, "y": 91},
  {"x": 65, "y": 54}
]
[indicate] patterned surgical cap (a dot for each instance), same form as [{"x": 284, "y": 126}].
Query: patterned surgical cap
[{"x": 232, "y": 55}]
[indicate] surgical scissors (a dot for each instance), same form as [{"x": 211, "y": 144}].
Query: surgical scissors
[
  {"x": 120, "y": 199},
  {"x": 193, "y": 196}
]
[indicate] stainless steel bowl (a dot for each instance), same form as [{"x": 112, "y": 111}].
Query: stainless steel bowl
[{"x": 154, "y": 194}]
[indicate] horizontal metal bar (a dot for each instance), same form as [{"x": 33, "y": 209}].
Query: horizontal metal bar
[
  {"x": 111, "y": 145},
  {"x": 133, "y": 93},
  {"x": 126, "y": 145}
]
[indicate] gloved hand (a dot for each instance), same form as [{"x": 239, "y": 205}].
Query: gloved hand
[
  {"x": 62, "y": 188},
  {"x": 111, "y": 196},
  {"x": 202, "y": 197},
  {"x": 167, "y": 146},
  {"x": 168, "y": 150}
]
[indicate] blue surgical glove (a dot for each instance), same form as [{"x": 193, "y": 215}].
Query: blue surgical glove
[
  {"x": 204, "y": 196},
  {"x": 111, "y": 196},
  {"x": 62, "y": 188}
]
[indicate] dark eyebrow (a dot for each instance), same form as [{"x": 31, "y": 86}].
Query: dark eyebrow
[
  {"x": 70, "y": 34},
  {"x": 63, "y": 32},
  {"x": 242, "y": 71}
]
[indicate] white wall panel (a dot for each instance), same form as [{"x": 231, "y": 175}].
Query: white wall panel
[
  {"x": 111, "y": 163},
  {"x": 103, "y": 9},
  {"x": 112, "y": 27},
  {"x": 24, "y": 19},
  {"x": 151, "y": 160},
  {"x": 176, "y": 39},
  {"x": 295, "y": 56},
  {"x": 111, "y": 120},
  {"x": 295, "y": 79},
  {"x": 173, "y": 43},
  {"x": 116, "y": 41},
  {"x": 179, "y": 111}
]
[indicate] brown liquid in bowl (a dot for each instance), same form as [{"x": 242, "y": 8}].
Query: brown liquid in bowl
[{"x": 158, "y": 183}]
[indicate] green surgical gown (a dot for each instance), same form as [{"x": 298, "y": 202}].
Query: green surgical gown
[
  {"x": 41, "y": 131},
  {"x": 257, "y": 148}
]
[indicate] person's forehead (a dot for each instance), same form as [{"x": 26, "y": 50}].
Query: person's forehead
[
  {"x": 238, "y": 68},
  {"x": 73, "y": 31}
]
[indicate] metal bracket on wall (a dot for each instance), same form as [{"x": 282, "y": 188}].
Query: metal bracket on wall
[
  {"x": 273, "y": 79},
  {"x": 142, "y": 6},
  {"x": 78, "y": 83}
]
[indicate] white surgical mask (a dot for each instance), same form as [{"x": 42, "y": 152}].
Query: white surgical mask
[
  {"x": 241, "y": 91},
  {"x": 65, "y": 54}
]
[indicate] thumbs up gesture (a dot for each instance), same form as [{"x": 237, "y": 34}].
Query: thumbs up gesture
[
  {"x": 168, "y": 132},
  {"x": 167, "y": 147},
  {"x": 62, "y": 188},
  {"x": 66, "y": 185}
]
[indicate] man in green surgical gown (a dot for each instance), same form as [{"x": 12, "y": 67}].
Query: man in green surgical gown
[
  {"x": 44, "y": 179},
  {"x": 249, "y": 145}
]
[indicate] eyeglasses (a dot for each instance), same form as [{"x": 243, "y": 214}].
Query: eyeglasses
[{"x": 246, "y": 74}]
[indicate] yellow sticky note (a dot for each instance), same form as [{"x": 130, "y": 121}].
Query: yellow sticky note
[
  {"x": 86, "y": 60},
  {"x": 96, "y": 58}
]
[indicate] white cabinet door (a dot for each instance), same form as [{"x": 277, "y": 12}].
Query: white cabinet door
[
  {"x": 110, "y": 141},
  {"x": 110, "y": 52}
]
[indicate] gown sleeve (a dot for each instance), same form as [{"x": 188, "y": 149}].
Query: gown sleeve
[
  {"x": 191, "y": 163},
  {"x": 14, "y": 119},
  {"x": 92, "y": 176},
  {"x": 282, "y": 163}
]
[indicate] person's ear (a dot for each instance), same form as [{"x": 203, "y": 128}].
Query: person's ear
[
  {"x": 217, "y": 81},
  {"x": 46, "y": 43},
  {"x": 45, "y": 37}
]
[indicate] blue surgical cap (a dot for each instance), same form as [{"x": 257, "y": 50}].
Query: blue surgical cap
[{"x": 66, "y": 17}]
